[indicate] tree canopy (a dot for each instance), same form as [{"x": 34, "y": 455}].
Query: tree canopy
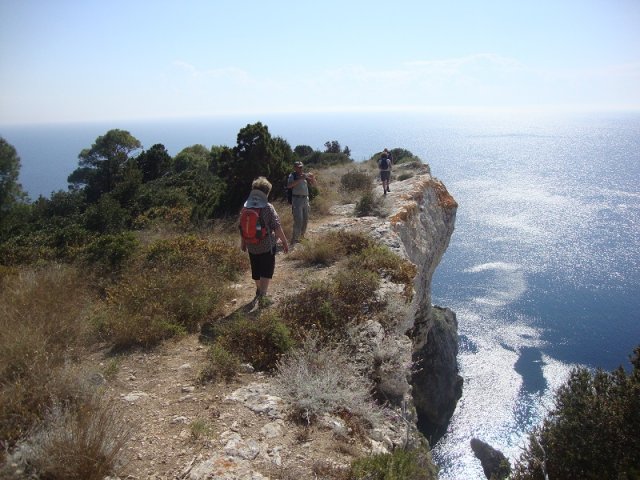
[
  {"x": 593, "y": 431},
  {"x": 101, "y": 166},
  {"x": 10, "y": 190}
]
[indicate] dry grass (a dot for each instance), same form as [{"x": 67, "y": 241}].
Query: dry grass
[
  {"x": 81, "y": 441},
  {"x": 43, "y": 325},
  {"x": 317, "y": 379},
  {"x": 330, "y": 247},
  {"x": 170, "y": 290}
]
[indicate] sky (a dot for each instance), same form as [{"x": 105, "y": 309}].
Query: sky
[{"x": 102, "y": 60}]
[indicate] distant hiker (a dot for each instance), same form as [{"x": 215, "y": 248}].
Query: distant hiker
[
  {"x": 299, "y": 182},
  {"x": 384, "y": 164},
  {"x": 260, "y": 230}
]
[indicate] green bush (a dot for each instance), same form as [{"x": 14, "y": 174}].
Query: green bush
[
  {"x": 355, "y": 180},
  {"x": 400, "y": 155},
  {"x": 221, "y": 365},
  {"x": 399, "y": 465},
  {"x": 27, "y": 248},
  {"x": 146, "y": 308},
  {"x": 380, "y": 259},
  {"x": 328, "y": 306},
  {"x": 109, "y": 253},
  {"x": 330, "y": 247},
  {"x": 369, "y": 205},
  {"x": 107, "y": 216},
  {"x": 260, "y": 341},
  {"x": 169, "y": 290},
  {"x": 593, "y": 431},
  {"x": 189, "y": 252}
]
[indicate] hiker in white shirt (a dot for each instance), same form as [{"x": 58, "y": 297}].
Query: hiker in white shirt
[{"x": 299, "y": 183}]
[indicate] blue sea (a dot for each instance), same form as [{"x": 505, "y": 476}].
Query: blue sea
[{"x": 543, "y": 269}]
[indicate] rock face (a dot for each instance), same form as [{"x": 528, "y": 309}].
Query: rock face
[
  {"x": 425, "y": 223},
  {"x": 419, "y": 227}
]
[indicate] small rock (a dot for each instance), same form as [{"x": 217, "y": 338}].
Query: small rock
[
  {"x": 247, "y": 368},
  {"x": 272, "y": 430},
  {"x": 133, "y": 396}
]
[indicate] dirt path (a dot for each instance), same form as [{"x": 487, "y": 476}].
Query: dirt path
[{"x": 178, "y": 423}]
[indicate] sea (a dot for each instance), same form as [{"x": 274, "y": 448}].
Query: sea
[{"x": 543, "y": 268}]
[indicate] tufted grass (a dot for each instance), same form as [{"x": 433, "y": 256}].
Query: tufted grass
[
  {"x": 320, "y": 378},
  {"x": 42, "y": 328}
]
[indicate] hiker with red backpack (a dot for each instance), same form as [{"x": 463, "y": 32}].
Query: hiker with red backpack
[{"x": 260, "y": 230}]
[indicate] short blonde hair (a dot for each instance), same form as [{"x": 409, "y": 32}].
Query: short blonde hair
[{"x": 262, "y": 184}]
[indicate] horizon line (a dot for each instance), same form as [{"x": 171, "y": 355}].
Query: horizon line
[{"x": 451, "y": 109}]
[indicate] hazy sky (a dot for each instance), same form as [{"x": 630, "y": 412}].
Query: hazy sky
[{"x": 85, "y": 60}]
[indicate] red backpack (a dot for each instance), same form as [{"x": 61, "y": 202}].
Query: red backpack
[{"x": 252, "y": 227}]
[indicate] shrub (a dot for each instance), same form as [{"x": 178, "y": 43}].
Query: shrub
[
  {"x": 379, "y": 258},
  {"x": 145, "y": 309},
  {"x": 110, "y": 252},
  {"x": 200, "y": 428},
  {"x": 106, "y": 216},
  {"x": 42, "y": 327},
  {"x": 189, "y": 251},
  {"x": 354, "y": 292},
  {"x": 593, "y": 430},
  {"x": 177, "y": 217},
  {"x": 81, "y": 441},
  {"x": 317, "y": 252},
  {"x": 369, "y": 206},
  {"x": 399, "y": 465},
  {"x": 317, "y": 379},
  {"x": 28, "y": 248},
  {"x": 400, "y": 156},
  {"x": 260, "y": 341},
  {"x": 221, "y": 365},
  {"x": 328, "y": 306},
  {"x": 171, "y": 290},
  {"x": 331, "y": 247},
  {"x": 355, "y": 180}
]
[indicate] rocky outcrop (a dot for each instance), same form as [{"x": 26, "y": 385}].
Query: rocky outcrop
[
  {"x": 425, "y": 222},
  {"x": 494, "y": 464},
  {"x": 419, "y": 225}
]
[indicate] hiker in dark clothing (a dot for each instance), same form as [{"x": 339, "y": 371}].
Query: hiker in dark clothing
[
  {"x": 384, "y": 164},
  {"x": 262, "y": 255}
]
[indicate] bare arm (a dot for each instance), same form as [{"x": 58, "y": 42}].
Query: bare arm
[{"x": 283, "y": 238}]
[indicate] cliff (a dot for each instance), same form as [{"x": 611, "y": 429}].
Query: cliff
[{"x": 419, "y": 226}]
